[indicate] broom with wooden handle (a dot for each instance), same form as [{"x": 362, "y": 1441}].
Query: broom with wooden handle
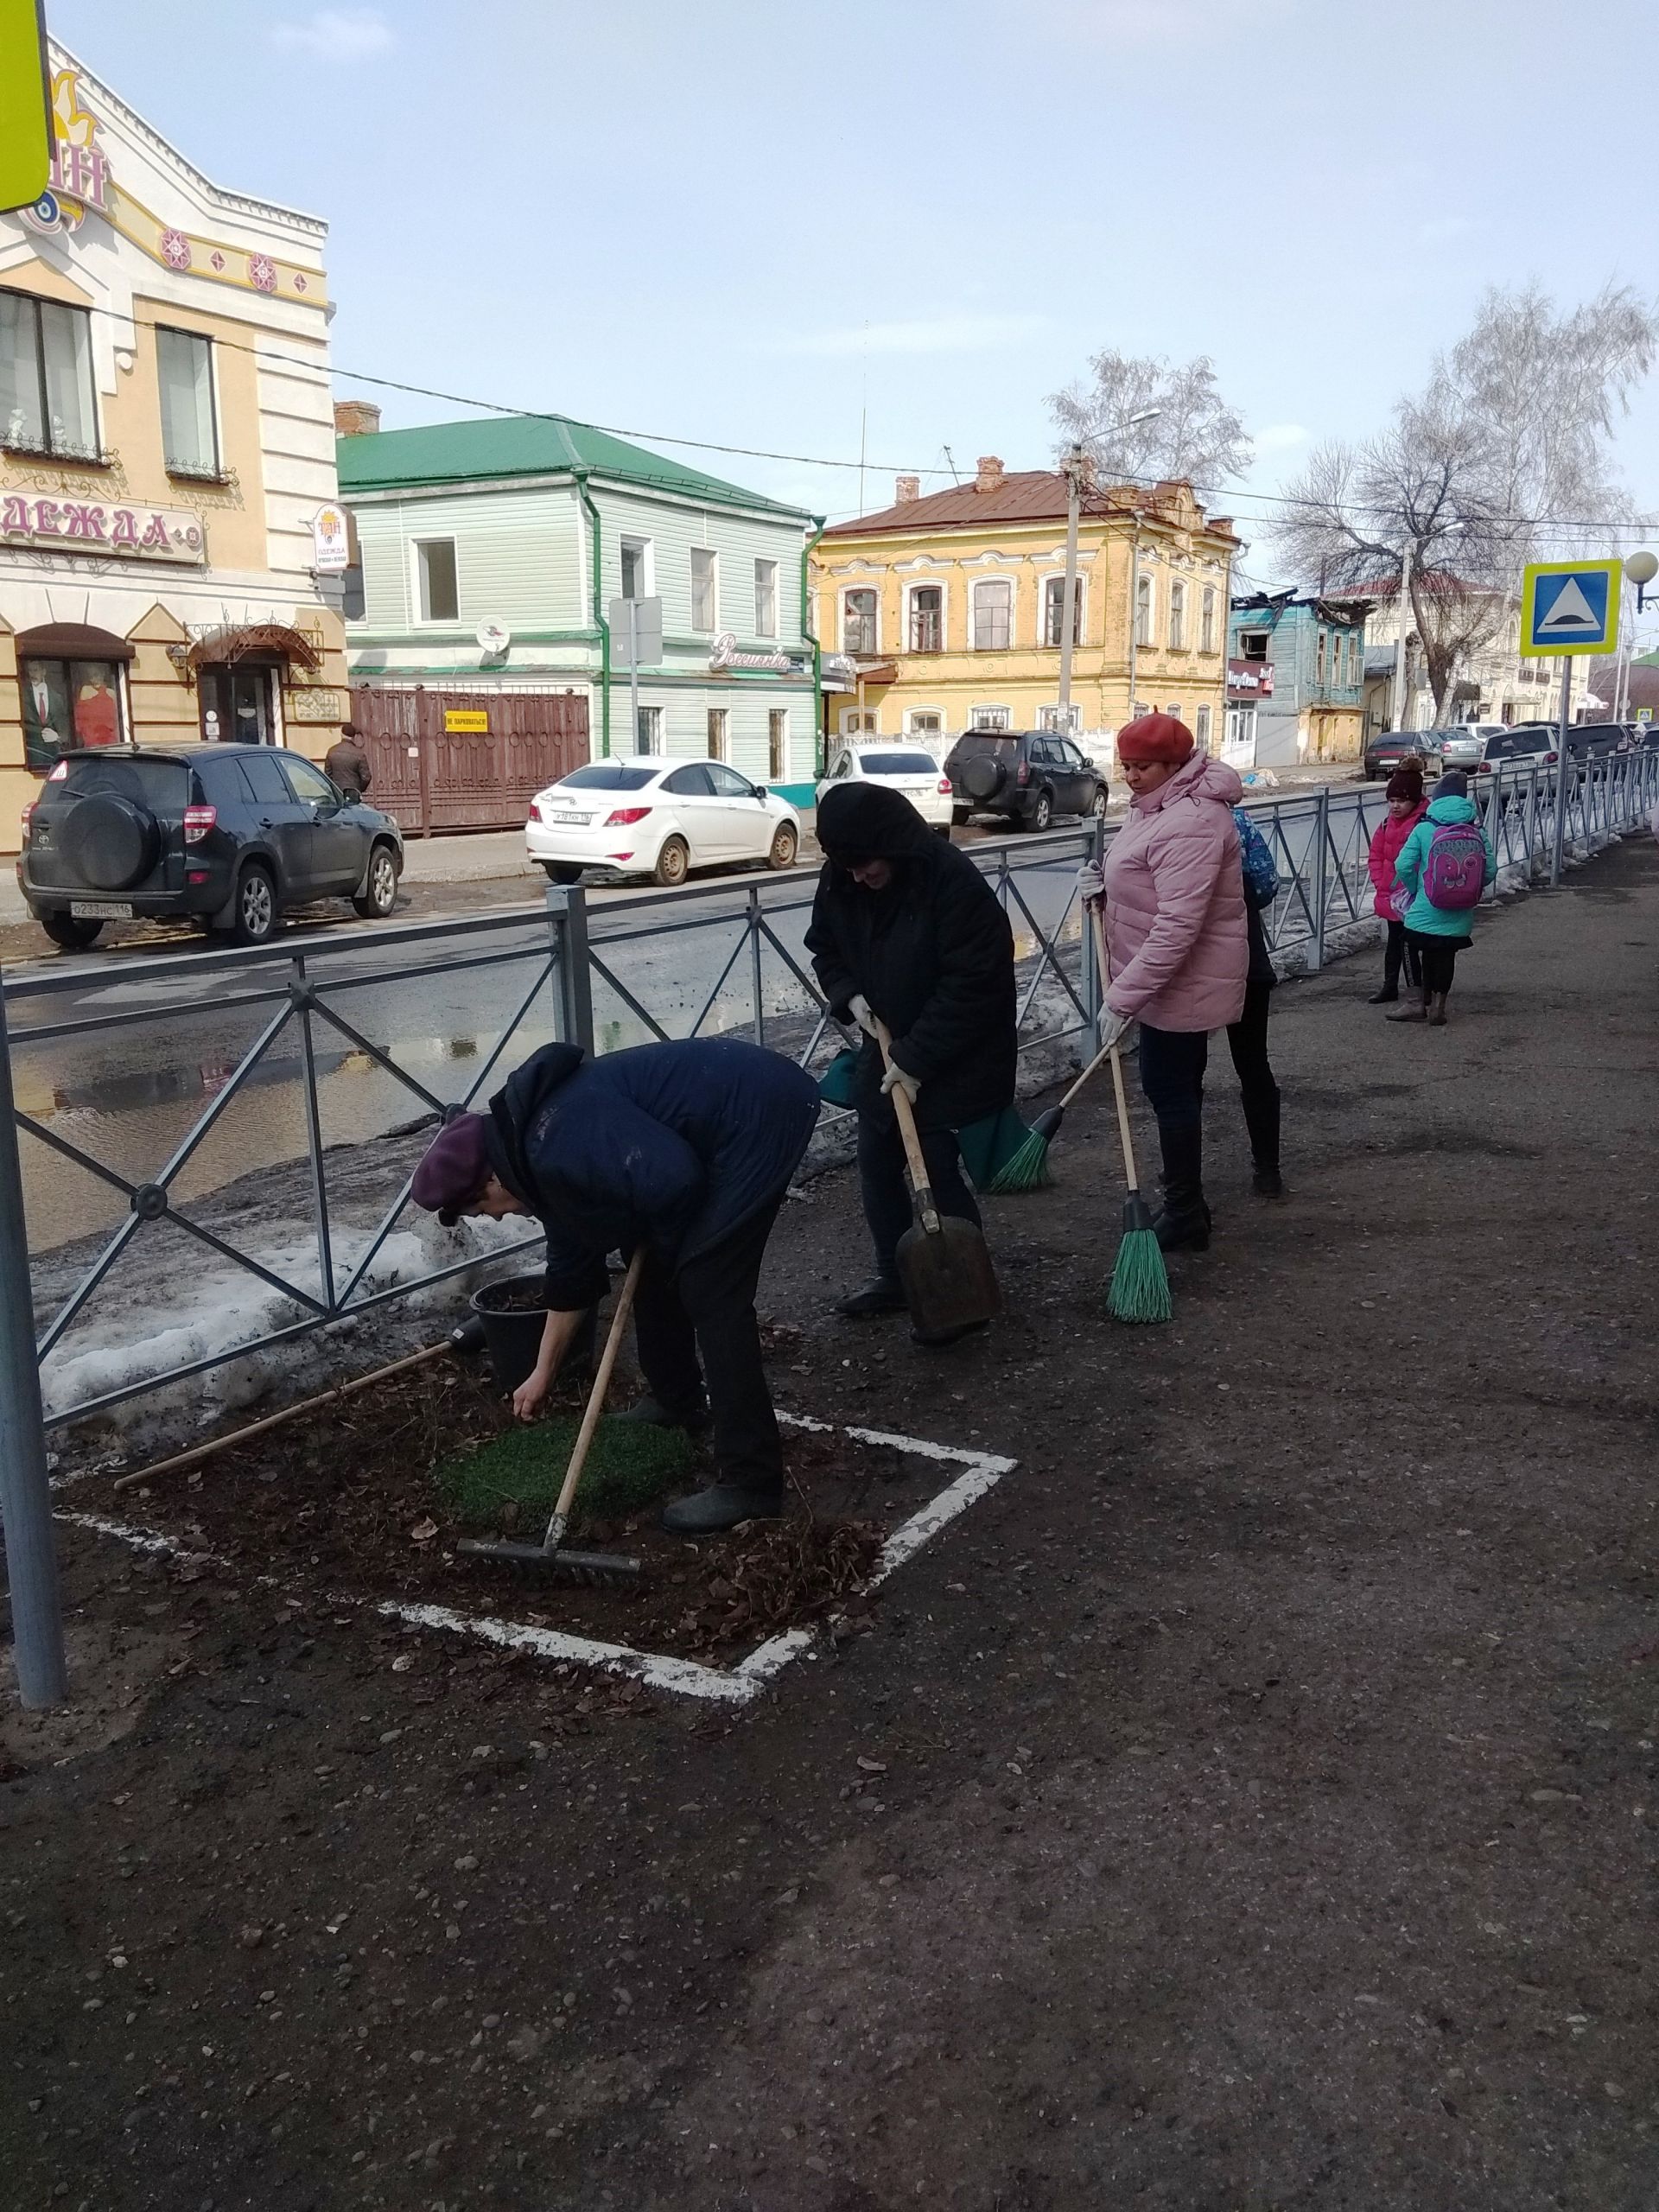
[{"x": 1140, "y": 1286}]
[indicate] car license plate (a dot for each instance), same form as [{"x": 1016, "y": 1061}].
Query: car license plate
[
  {"x": 574, "y": 821},
  {"x": 101, "y": 910}
]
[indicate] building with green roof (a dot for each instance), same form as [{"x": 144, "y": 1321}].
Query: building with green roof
[{"x": 492, "y": 553}]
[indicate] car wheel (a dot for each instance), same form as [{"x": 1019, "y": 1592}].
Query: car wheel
[
  {"x": 67, "y": 931},
  {"x": 673, "y": 864},
  {"x": 255, "y": 908},
  {"x": 1101, "y": 802},
  {"x": 1042, "y": 812},
  {"x": 959, "y": 816},
  {"x": 381, "y": 896},
  {"x": 785, "y": 846},
  {"x": 562, "y": 871}
]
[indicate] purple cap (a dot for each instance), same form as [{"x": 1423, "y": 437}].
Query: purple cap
[{"x": 454, "y": 1169}]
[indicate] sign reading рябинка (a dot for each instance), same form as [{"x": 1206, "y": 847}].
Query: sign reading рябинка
[{"x": 54, "y": 524}]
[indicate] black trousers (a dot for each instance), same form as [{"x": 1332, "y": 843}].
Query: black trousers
[
  {"x": 1173, "y": 1062},
  {"x": 882, "y": 1186},
  {"x": 1246, "y": 1039},
  {"x": 1439, "y": 956},
  {"x": 1399, "y": 953},
  {"x": 707, "y": 1307}
]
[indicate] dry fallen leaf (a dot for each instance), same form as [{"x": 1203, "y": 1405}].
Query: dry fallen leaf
[{"x": 423, "y": 1531}]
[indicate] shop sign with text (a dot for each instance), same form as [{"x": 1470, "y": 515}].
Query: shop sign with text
[
  {"x": 56, "y": 524},
  {"x": 726, "y": 655},
  {"x": 1249, "y": 679}
]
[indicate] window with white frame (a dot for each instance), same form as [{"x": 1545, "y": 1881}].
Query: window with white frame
[
  {"x": 718, "y": 719},
  {"x": 992, "y": 616},
  {"x": 778, "y": 743},
  {"x": 925, "y": 722},
  {"x": 635, "y": 554},
  {"x": 648, "y": 738},
  {"x": 1174, "y": 707},
  {"x": 47, "y": 402},
  {"x": 858, "y": 721},
  {"x": 1065, "y": 720},
  {"x": 1353, "y": 660},
  {"x": 1054, "y": 609},
  {"x": 705, "y": 589},
  {"x": 766, "y": 599},
  {"x": 989, "y": 718},
  {"x": 1178, "y": 617},
  {"x": 437, "y": 586},
  {"x": 1143, "y": 610},
  {"x": 1201, "y": 728},
  {"x": 184, "y": 367},
  {"x": 1318, "y": 659},
  {"x": 1207, "y": 621},
  {"x": 858, "y": 626},
  {"x": 927, "y": 618}
]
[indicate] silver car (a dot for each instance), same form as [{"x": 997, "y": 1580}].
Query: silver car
[{"x": 1464, "y": 747}]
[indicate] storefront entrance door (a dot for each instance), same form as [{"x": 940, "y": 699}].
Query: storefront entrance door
[{"x": 236, "y": 704}]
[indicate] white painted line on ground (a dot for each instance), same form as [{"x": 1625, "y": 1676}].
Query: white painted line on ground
[{"x": 737, "y": 1685}]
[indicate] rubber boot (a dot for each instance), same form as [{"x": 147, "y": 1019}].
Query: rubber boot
[
  {"x": 693, "y": 1416},
  {"x": 1437, "y": 1011},
  {"x": 1417, "y": 1010},
  {"x": 722, "y": 1506},
  {"x": 881, "y": 1295},
  {"x": 1261, "y": 1120},
  {"x": 1184, "y": 1224}
]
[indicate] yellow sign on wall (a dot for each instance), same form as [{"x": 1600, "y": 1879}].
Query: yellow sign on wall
[
  {"x": 464, "y": 721},
  {"x": 25, "y": 105}
]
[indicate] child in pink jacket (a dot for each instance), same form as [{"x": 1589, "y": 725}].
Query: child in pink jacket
[
  {"x": 1407, "y": 807},
  {"x": 1176, "y": 943}
]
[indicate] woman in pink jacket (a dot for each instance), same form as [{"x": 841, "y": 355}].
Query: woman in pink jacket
[
  {"x": 1176, "y": 943},
  {"x": 1407, "y": 807}
]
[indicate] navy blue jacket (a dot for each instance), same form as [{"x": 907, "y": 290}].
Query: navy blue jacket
[{"x": 673, "y": 1145}]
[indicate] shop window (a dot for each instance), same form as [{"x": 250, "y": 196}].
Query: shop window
[
  {"x": 439, "y": 589},
  {"x": 778, "y": 743},
  {"x": 766, "y": 599},
  {"x": 705, "y": 590},
  {"x": 184, "y": 365},
  {"x": 635, "y": 553},
  {"x": 48, "y": 403},
  {"x": 68, "y": 704},
  {"x": 1143, "y": 610},
  {"x": 1207, "y": 621},
  {"x": 718, "y": 717},
  {"x": 1054, "y": 610},
  {"x": 927, "y": 619},
  {"x": 1178, "y": 617},
  {"x": 858, "y": 626},
  {"x": 992, "y": 616}
]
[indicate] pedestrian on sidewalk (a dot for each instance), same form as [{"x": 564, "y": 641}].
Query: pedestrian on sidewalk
[
  {"x": 1407, "y": 807},
  {"x": 686, "y": 1148},
  {"x": 1247, "y": 1037},
  {"x": 1176, "y": 943},
  {"x": 905, "y": 929},
  {"x": 1444, "y": 864},
  {"x": 347, "y": 764}
]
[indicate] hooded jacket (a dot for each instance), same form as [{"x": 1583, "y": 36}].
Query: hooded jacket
[
  {"x": 1387, "y": 841},
  {"x": 674, "y": 1146},
  {"x": 1420, "y": 917},
  {"x": 1176, "y": 935},
  {"x": 932, "y": 953}
]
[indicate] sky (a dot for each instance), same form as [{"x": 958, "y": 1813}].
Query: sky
[{"x": 894, "y": 227}]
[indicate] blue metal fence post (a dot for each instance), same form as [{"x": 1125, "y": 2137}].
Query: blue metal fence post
[
  {"x": 1321, "y": 875},
  {"x": 25, "y": 1492},
  {"x": 1089, "y": 975},
  {"x": 566, "y": 925},
  {"x": 759, "y": 1008}
]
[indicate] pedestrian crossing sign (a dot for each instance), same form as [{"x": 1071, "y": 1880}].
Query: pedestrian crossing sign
[{"x": 1569, "y": 607}]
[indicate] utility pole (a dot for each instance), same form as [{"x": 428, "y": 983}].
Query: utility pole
[
  {"x": 1072, "y": 466},
  {"x": 1399, "y": 709},
  {"x": 1134, "y": 610}
]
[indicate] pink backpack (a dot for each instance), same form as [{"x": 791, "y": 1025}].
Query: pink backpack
[{"x": 1454, "y": 871}]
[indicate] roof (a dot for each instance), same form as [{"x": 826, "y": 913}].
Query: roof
[
  {"x": 1022, "y": 495},
  {"x": 525, "y": 445}
]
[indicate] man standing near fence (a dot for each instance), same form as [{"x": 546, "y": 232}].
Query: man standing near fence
[{"x": 347, "y": 765}]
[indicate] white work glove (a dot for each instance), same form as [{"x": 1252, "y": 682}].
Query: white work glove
[
  {"x": 1112, "y": 1025},
  {"x": 896, "y": 1079},
  {"x": 1091, "y": 884},
  {"x": 859, "y": 1006}
]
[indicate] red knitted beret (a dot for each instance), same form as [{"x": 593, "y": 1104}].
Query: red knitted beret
[{"x": 1156, "y": 737}]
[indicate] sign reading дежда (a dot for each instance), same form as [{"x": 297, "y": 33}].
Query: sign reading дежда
[{"x": 61, "y": 525}]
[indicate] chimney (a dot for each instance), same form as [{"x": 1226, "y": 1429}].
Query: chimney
[
  {"x": 990, "y": 477},
  {"x": 906, "y": 489},
  {"x": 356, "y": 418}
]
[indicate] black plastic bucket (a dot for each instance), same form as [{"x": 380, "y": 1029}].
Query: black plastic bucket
[{"x": 512, "y": 1339}]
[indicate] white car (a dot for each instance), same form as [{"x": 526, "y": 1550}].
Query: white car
[
  {"x": 642, "y": 814},
  {"x": 898, "y": 767}
]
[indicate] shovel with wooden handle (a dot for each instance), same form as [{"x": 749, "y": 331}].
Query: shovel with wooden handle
[{"x": 944, "y": 1263}]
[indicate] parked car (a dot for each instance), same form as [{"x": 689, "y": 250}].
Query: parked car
[
  {"x": 1384, "y": 751},
  {"x": 897, "y": 767},
  {"x": 643, "y": 814},
  {"x": 1464, "y": 747},
  {"x": 230, "y": 834},
  {"x": 1027, "y": 775}
]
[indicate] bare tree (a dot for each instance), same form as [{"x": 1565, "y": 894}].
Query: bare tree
[{"x": 1195, "y": 434}]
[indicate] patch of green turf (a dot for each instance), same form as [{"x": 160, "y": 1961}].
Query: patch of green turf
[{"x": 631, "y": 1464}]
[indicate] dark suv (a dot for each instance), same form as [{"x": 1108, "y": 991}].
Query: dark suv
[
  {"x": 1028, "y": 775},
  {"x": 229, "y": 834}
]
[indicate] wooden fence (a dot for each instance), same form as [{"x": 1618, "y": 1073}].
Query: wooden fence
[{"x": 436, "y": 769}]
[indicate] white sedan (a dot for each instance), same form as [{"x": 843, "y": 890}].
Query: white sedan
[
  {"x": 642, "y": 814},
  {"x": 907, "y": 769}
]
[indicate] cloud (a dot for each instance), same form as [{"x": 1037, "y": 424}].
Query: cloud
[
  {"x": 336, "y": 35},
  {"x": 944, "y": 334},
  {"x": 1279, "y": 436}
]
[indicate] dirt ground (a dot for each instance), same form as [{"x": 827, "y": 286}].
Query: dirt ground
[{"x": 1248, "y": 1805}]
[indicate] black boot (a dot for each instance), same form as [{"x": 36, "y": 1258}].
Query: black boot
[
  {"x": 881, "y": 1295},
  {"x": 1261, "y": 1120},
  {"x": 1386, "y": 997},
  {"x": 692, "y": 1417},
  {"x": 722, "y": 1506},
  {"x": 1184, "y": 1224}
]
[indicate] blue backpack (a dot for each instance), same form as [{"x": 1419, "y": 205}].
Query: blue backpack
[{"x": 1260, "y": 876}]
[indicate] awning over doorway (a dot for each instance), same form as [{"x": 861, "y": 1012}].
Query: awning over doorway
[
  {"x": 249, "y": 640},
  {"x": 71, "y": 641}
]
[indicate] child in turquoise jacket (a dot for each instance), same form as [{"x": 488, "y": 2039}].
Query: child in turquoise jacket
[{"x": 1437, "y": 933}]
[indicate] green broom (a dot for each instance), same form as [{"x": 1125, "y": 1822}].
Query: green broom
[{"x": 1139, "y": 1289}]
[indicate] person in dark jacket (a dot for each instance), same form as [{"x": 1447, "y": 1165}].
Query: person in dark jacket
[
  {"x": 906, "y": 928},
  {"x": 347, "y": 764},
  {"x": 688, "y": 1149},
  {"x": 1246, "y": 1039}
]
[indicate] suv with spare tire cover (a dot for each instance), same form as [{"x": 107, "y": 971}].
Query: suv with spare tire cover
[
  {"x": 1027, "y": 775},
  {"x": 229, "y": 835}
]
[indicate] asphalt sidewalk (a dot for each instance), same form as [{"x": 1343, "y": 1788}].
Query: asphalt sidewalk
[{"x": 1251, "y": 1803}]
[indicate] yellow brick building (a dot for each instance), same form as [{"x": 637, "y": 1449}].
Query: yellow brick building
[
  {"x": 166, "y": 444},
  {"x": 943, "y": 614}
]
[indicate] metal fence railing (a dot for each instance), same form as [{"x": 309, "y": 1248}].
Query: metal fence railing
[{"x": 240, "y": 1127}]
